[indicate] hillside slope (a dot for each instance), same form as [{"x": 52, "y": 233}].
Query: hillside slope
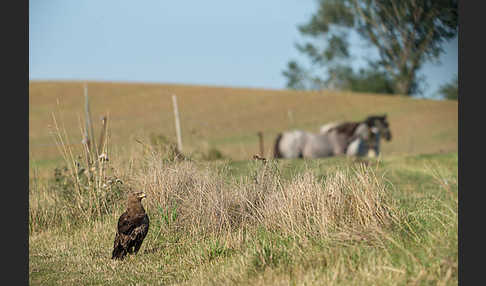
[{"x": 228, "y": 119}]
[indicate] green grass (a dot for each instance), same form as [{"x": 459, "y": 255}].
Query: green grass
[
  {"x": 234, "y": 221},
  {"x": 420, "y": 249}
]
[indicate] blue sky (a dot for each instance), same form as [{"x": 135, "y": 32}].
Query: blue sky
[{"x": 212, "y": 42}]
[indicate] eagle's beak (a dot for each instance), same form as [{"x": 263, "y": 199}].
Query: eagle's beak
[{"x": 142, "y": 196}]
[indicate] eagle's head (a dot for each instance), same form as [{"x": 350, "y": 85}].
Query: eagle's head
[
  {"x": 140, "y": 195},
  {"x": 137, "y": 196}
]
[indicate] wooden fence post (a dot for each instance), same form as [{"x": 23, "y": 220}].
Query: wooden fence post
[
  {"x": 260, "y": 136},
  {"x": 102, "y": 135},
  {"x": 177, "y": 124}
]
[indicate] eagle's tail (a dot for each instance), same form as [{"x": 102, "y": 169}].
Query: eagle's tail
[{"x": 119, "y": 251}]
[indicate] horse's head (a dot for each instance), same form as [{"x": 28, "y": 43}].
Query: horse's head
[{"x": 379, "y": 124}]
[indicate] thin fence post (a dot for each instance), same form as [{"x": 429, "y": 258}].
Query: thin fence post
[
  {"x": 177, "y": 124},
  {"x": 260, "y": 137},
  {"x": 102, "y": 135}
]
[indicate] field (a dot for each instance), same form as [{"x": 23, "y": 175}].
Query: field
[
  {"x": 335, "y": 221},
  {"x": 228, "y": 119}
]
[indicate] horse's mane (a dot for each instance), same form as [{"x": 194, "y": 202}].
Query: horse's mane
[
  {"x": 276, "y": 149},
  {"x": 347, "y": 128}
]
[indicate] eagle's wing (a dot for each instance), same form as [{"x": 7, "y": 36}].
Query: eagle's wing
[{"x": 127, "y": 223}]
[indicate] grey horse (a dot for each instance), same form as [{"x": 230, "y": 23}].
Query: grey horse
[
  {"x": 348, "y": 138},
  {"x": 303, "y": 144}
]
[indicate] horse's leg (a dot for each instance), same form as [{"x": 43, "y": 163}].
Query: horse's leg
[
  {"x": 373, "y": 146},
  {"x": 353, "y": 147},
  {"x": 374, "y": 151}
]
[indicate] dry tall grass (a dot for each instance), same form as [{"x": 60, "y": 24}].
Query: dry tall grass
[
  {"x": 201, "y": 200},
  {"x": 353, "y": 200},
  {"x": 258, "y": 229},
  {"x": 341, "y": 228}
]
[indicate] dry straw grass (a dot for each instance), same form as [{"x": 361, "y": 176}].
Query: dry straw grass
[
  {"x": 349, "y": 201},
  {"x": 352, "y": 200},
  {"x": 192, "y": 197},
  {"x": 86, "y": 187}
]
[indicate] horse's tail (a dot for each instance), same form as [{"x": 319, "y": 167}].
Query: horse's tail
[{"x": 276, "y": 148}]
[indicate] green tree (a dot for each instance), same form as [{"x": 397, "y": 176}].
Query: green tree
[
  {"x": 405, "y": 34},
  {"x": 450, "y": 90}
]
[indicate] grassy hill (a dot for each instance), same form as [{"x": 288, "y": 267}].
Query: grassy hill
[
  {"x": 227, "y": 119},
  {"x": 331, "y": 221}
]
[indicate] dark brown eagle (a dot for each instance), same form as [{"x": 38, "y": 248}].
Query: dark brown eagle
[{"x": 132, "y": 228}]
